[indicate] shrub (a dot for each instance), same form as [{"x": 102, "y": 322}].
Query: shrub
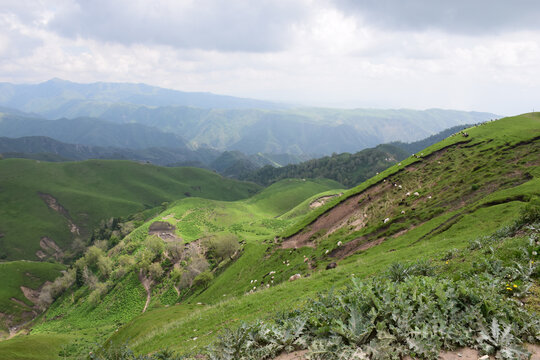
[
  {"x": 92, "y": 254},
  {"x": 203, "y": 279},
  {"x": 155, "y": 271},
  {"x": 223, "y": 247},
  {"x": 100, "y": 289},
  {"x": 155, "y": 245},
  {"x": 104, "y": 265},
  {"x": 175, "y": 250}
]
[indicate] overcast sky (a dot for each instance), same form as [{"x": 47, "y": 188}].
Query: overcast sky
[{"x": 462, "y": 54}]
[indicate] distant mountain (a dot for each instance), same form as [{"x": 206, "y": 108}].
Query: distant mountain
[
  {"x": 227, "y": 123},
  {"x": 60, "y": 98},
  {"x": 88, "y": 131},
  {"x": 294, "y": 131},
  {"x": 48, "y": 149},
  {"x": 230, "y": 163}
]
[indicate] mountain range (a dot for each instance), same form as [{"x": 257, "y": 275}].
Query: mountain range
[{"x": 219, "y": 122}]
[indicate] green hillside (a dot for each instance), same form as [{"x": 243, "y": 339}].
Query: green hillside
[
  {"x": 446, "y": 241},
  {"x": 15, "y": 306},
  {"x": 249, "y": 221},
  {"x": 347, "y": 169},
  {"x": 507, "y": 152},
  {"x": 87, "y": 193}
]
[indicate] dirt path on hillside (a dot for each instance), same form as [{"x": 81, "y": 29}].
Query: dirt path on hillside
[{"x": 147, "y": 284}]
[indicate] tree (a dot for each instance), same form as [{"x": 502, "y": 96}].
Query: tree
[
  {"x": 223, "y": 247},
  {"x": 203, "y": 279},
  {"x": 155, "y": 271},
  {"x": 155, "y": 245}
]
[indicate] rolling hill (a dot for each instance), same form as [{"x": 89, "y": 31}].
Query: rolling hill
[
  {"x": 444, "y": 240},
  {"x": 65, "y": 201}
]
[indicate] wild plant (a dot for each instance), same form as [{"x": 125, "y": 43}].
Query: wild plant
[{"x": 500, "y": 341}]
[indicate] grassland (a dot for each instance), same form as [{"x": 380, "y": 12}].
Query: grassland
[
  {"x": 251, "y": 220},
  {"x": 481, "y": 214},
  {"x": 91, "y": 191},
  {"x": 478, "y": 185},
  {"x": 15, "y": 274}
]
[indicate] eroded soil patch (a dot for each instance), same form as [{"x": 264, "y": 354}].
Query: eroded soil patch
[{"x": 430, "y": 187}]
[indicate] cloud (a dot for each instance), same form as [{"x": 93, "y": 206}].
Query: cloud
[
  {"x": 232, "y": 25},
  {"x": 15, "y": 40},
  {"x": 473, "y": 17},
  {"x": 311, "y": 52}
]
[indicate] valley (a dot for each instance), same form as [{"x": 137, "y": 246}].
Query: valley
[
  {"x": 269, "y": 180},
  {"x": 195, "y": 271}
]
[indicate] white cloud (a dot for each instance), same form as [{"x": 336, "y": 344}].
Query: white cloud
[{"x": 316, "y": 54}]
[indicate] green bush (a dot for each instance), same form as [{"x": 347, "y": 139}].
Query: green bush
[{"x": 203, "y": 279}]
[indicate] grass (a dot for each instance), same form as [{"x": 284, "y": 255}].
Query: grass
[
  {"x": 29, "y": 274},
  {"x": 40, "y": 347},
  {"x": 434, "y": 236},
  {"x": 92, "y": 191},
  {"x": 194, "y": 217},
  {"x": 501, "y": 158}
]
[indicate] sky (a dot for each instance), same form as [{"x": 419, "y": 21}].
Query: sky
[{"x": 481, "y": 55}]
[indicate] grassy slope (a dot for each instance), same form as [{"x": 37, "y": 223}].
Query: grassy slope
[
  {"x": 92, "y": 191},
  {"x": 171, "y": 327},
  {"x": 187, "y": 326},
  {"x": 194, "y": 217},
  {"x": 29, "y": 274}
]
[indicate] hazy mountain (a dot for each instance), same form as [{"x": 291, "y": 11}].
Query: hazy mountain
[
  {"x": 225, "y": 123},
  {"x": 229, "y": 163},
  {"x": 295, "y": 131},
  {"x": 60, "y": 98},
  {"x": 47, "y": 149},
  {"x": 416, "y": 146},
  {"x": 88, "y": 131}
]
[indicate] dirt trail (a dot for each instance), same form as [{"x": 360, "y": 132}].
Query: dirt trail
[{"x": 147, "y": 284}]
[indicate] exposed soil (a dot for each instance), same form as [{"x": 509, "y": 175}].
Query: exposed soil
[
  {"x": 353, "y": 212},
  {"x": 460, "y": 354},
  {"x": 33, "y": 295},
  {"x": 386, "y": 204},
  {"x": 53, "y": 204},
  {"x": 147, "y": 284},
  {"x": 164, "y": 230},
  {"x": 322, "y": 200},
  {"x": 297, "y": 355},
  {"x": 329, "y": 221},
  {"x": 48, "y": 246}
]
